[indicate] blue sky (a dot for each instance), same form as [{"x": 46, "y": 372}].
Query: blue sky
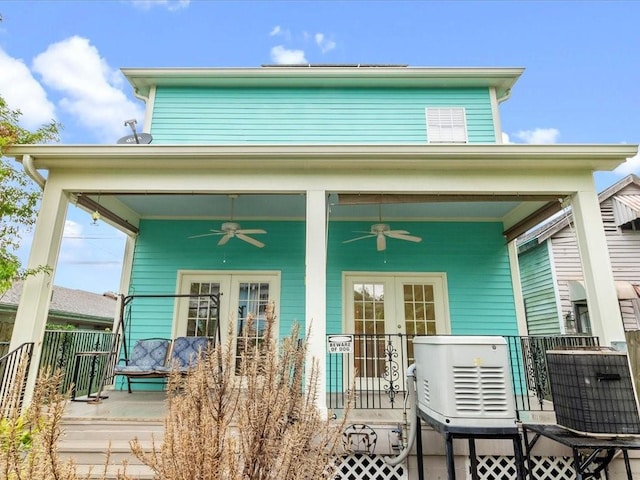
[{"x": 61, "y": 59}]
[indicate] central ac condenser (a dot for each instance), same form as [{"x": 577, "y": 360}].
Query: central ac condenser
[{"x": 464, "y": 381}]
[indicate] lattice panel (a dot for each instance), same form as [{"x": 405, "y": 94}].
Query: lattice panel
[
  {"x": 544, "y": 468},
  {"x": 361, "y": 466},
  {"x": 553, "y": 468}
]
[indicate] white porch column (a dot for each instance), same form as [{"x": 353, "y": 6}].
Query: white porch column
[
  {"x": 316, "y": 287},
  {"x": 33, "y": 310},
  {"x": 602, "y": 299},
  {"x": 518, "y": 299}
]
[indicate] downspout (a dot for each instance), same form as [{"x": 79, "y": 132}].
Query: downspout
[
  {"x": 32, "y": 172},
  {"x": 505, "y": 97}
]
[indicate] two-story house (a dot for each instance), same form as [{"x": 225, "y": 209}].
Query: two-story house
[{"x": 374, "y": 201}]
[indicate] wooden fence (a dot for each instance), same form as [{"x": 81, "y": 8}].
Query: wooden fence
[{"x": 633, "y": 349}]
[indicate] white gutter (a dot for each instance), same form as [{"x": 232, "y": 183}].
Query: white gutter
[{"x": 30, "y": 169}]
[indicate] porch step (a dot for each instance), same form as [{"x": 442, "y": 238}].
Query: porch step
[{"x": 87, "y": 442}]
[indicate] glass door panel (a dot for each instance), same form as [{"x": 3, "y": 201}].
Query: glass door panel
[
  {"x": 369, "y": 324},
  {"x": 204, "y": 311}
]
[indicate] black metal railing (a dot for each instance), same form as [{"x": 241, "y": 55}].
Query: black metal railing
[
  {"x": 69, "y": 351},
  {"x": 375, "y": 369},
  {"x": 14, "y": 370},
  {"x": 529, "y": 366}
]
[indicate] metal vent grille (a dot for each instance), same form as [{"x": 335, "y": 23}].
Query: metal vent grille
[
  {"x": 426, "y": 392},
  {"x": 480, "y": 390}
]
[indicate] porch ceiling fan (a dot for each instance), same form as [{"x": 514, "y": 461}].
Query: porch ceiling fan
[
  {"x": 232, "y": 229},
  {"x": 382, "y": 231}
]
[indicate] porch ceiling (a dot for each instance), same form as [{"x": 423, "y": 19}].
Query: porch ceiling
[{"x": 291, "y": 207}]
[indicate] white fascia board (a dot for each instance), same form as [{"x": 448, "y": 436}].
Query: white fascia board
[
  {"x": 323, "y": 157},
  {"x": 142, "y": 79}
]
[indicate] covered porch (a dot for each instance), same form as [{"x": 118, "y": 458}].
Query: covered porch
[{"x": 466, "y": 204}]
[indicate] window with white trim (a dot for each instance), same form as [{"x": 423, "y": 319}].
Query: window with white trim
[{"x": 446, "y": 125}]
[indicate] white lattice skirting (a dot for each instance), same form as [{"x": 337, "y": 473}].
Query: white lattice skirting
[
  {"x": 362, "y": 466},
  {"x": 544, "y": 468}
]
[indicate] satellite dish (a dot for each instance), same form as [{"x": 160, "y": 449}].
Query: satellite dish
[{"x": 137, "y": 138}]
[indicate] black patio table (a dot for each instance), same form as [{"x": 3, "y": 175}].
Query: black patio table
[{"x": 592, "y": 454}]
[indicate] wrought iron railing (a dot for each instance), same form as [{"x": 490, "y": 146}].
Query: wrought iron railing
[
  {"x": 70, "y": 351},
  {"x": 375, "y": 370},
  {"x": 14, "y": 369},
  {"x": 529, "y": 366}
]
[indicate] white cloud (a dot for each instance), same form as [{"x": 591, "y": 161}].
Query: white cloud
[
  {"x": 92, "y": 90},
  {"x": 23, "y": 92},
  {"x": 284, "y": 56},
  {"x": 632, "y": 165},
  {"x": 275, "y": 31},
  {"x": 324, "y": 44},
  {"x": 171, "y": 5},
  {"x": 505, "y": 138},
  {"x": 539, "y": 135}
]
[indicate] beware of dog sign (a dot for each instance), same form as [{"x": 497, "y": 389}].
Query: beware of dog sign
[{"x": 340, "y": 344}]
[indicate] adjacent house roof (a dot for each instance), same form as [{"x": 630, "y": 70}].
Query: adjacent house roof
[
  {"x": 70, "y": 303},
  {"x": 626, "y": 209}
]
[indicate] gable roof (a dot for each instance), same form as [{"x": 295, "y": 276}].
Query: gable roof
[
  {"x": 69, "y": 302},
  {"x": 562, "y": 220}
]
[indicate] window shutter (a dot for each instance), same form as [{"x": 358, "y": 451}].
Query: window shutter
[{"x": 446, "y": 125}]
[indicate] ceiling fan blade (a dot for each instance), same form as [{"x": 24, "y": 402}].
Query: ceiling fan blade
[
  {"x": 251, "y": 231},
  {"x": 250, "y": 240},
  {"x": 359, "y": 238},
  {"x": 401, "y": 232},
  {"x": 401, "y": 236},
  {"x": 214, "y": 232},
  {"x": 225, "y": 239},
  {"x": 381, "y": 242}
]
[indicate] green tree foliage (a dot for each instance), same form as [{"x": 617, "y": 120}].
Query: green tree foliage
[{"x": 18, "y": 196}]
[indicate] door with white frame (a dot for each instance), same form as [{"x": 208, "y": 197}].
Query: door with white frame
[
  {"x": 384, "y": 312},
  {"x": 242, "y": 299}
]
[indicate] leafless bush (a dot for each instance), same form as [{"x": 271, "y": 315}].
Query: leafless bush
[
  {"x": 28, "y": 439},
  {"x": 253, "y": 421}
]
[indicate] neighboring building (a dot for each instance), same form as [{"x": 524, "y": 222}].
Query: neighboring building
[
  {"x": 77, "y": 308},
  {"x": 551, "y": 273},
  {"x": 377, "y": 201}
]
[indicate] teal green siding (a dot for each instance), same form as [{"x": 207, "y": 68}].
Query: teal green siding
[
  {"x": 473, "y": 255},
  {"x": 163, "y": 248},
  {"x": 307, "y": 115},
  {"x": 538, "y": 291}
]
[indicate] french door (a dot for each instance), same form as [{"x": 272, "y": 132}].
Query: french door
[
  {"x": 238, "y": 299},
  {"x": 385, "y": 312}
]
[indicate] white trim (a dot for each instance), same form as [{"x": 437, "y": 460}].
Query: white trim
[
  {"x": 228, "y": 280},
  {"x": 518, "y": 298},
  {"x": 556, "y": 286},
  {"x": 438, "y": 279}
]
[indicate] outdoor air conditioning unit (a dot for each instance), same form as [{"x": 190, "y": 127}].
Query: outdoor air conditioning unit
[
  {"x": 593, "y": 391},
  {"x": 464, "y": 381}
]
